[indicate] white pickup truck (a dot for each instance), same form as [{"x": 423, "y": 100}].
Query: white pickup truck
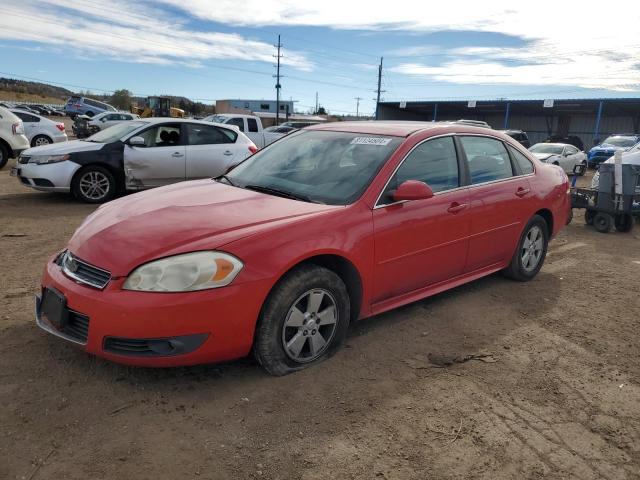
[{"x": 250, "y": 125}]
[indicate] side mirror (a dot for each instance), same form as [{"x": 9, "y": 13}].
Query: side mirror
[
  {"x": 136, "y": 142},
  {"x": 412, "y": 190}
]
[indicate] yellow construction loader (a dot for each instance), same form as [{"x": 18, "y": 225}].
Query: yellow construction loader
[{"x": 157, "y": 107}]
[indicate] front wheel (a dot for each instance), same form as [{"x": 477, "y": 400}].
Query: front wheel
[
  {"x": 40, "y": 140},
  {"x": 4, "y": 155},
  {"x": 304, "y": 320},
  {"x": 93, "y": 184},
  {"x": 602, "y": 222},
  {"x": 531, "y": 252}
]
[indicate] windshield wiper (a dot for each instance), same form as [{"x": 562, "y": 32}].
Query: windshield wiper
[
  {"x": 226, "y": 178},
  {"x": 280, "y": 193}
]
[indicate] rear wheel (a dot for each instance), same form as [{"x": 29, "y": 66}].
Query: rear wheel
[
  {"x": 303, "y": 321},
  {"x": 588, "y": 217},
  {"x": 531, "y": 252},
  {"x": 624, "y": 222},
  {"x": 603, "y": 222},
  {"x": 94, "y": 184},
  {"x": 40, "y": 140},
  {"x": 4, "y": 155}
]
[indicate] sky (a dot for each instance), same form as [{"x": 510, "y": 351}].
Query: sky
[{"x": 222, "y": 49}]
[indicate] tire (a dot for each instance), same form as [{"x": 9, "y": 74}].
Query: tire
[
  {"x": 40, "y": 140},
  {"x": 537, "y": 231},
  {"x": 4, "y": 155},
  {"x": 588, "y": 216},
  {"x": 624, "y": 222},
  {"x": 89, "y": 113},
  {"x": 582, "y": 172},
  {"x": 603, "y": 222},
  {"x": 94, "y": 177},
  {"x": 570, "y": 217},
  {"x": 283, "y": 321}
]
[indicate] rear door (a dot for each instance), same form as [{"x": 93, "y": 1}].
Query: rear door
[
  {"x": 210, "y": 150},
  {"x": 160, "y": 162},
  {"x": 31, "y": 124},
  {"x": 422, "y": 242},
  {"x": 500, "y": 199}
]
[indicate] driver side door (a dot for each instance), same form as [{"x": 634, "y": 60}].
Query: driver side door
[
  {"x": 161, "y": 161},
  {"x": 422, "y": 242}
]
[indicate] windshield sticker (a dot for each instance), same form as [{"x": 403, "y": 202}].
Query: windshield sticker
[{"x": 371, "y": 141}]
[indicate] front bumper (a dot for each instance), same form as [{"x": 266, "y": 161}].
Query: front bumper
[
  {"x": 54, "y": 177},
  {"x": 210, "y": 326}
]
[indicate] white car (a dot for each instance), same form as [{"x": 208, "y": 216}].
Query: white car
[
  {"x": 562, "y": 154},
  {"x": 133, "y": 156},
  {"x": 40, "y": 130},
  {"x": 12, "y": 138},
  {"x": 109, "y": 119},
  {"x": 631, "y": 156}
]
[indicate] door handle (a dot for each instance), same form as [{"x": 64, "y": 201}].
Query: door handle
[
  {"x": 456, "y": 207},
  {"x": 521, "y": 192},
  {"x": 177, "y": 154},
  {"x": 228, "y": 152}
]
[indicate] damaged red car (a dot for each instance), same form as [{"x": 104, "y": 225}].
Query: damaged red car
[{"x": 331, "y": 224}]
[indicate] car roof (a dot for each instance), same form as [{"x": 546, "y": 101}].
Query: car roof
[
  {"x": 555, "y": 144},
  {"x": 154, "y": 120},
  {"x": 396, "y": 128}
]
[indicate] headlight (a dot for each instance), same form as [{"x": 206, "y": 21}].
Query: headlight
[
  {"x": 185, "y": 273},
  {"x": 44, "y": 159}
]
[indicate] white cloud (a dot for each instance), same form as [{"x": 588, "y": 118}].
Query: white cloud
[
  {"x": 568, "y": 43},
  {"x": 128, "y": 32}
]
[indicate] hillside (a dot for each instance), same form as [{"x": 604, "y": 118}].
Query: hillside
[{"x": 22, "y": 90}]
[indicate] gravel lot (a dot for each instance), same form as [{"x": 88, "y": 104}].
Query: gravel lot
[{"x": 558, "y": 398}]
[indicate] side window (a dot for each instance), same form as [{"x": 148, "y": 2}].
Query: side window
[
  {"x": 238, "y": 122},
  {"x": 25, "y": 117},
  {"x": 252, "y": 124},
  {"x": 487, "y": 158},
  {"x": 112, "y": 117},
  {"x": 166, "y": 135},
  {"x": 571, "y": 150},
  {"x": 205, "y": 135},
  {"x": 525, "y": 165},
  {"x": 433, "y": 162}
]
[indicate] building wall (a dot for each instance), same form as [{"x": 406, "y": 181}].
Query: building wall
[
  {"x": 248, "y": 106},
  {"x": 582, "y": 125}
]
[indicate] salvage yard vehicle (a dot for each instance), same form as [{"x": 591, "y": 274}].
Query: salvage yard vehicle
[
  {"x": 40, "y": 130},
  {"x": 109, "y": 119},
  {"x": 157, "y": 107},
  {"x": 561, "y": 154},
  {"x": 610, "y": 146},
  {"x": 250, "y": 125},
  {"x": 133, "y": 156},
  {"x": 79, "y": 105},
  {"x": 12, "y": 138},
  {"x": 519, "y": 136},
  {"x": 328, "y": 225}
]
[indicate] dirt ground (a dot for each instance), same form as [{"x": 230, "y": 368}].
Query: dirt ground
[{"x": 559, "y": 397}]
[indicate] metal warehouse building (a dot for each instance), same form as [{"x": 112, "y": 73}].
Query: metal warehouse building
[{"x": 589, "y": 119}]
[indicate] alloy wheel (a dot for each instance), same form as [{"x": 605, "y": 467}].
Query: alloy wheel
[
  {"x": 310, "y": 325},
  {"x": 41, "y": 141},
  {"x": 531, "y": 251},
  {"x": 94, "y": 185}
]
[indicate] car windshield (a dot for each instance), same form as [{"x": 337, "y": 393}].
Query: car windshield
[
  {"x": 546, "y": 148},
  {"x": 621, "y": 141},
  {"x": 115, "y": 133},
  {"x": 326, "y": 167}
]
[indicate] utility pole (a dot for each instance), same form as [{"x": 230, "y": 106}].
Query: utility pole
[
  {"x": 358, "y": 106},
  {"x": 315, "y": 112},
  {"x": 278, "y": 82},
  {"x": 379, "y": 86}
]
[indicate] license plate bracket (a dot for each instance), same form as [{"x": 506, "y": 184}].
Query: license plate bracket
[{"x": 53, "y": 308}]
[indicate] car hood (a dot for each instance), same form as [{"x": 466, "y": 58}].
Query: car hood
[
  {"x": 543, "y": 156},
  {"x": 607, "y": 146},
  {"x": 184, "y": 217},
  {"x": 64, "y": 147}
]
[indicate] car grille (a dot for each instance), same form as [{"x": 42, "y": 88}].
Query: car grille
[
  {"x": 24, "y": 159},
  {"x": 83, "y": 272},
  {"x": 128, "y": 346},
  {"x": 77, "y": 326}
]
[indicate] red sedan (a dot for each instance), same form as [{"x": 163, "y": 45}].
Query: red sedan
[{"x": 328, "y": 225}]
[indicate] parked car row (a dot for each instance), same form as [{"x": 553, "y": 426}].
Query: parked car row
[
  {"x": 34, "y": 108},
  {"x": 247, "y": 261}
]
